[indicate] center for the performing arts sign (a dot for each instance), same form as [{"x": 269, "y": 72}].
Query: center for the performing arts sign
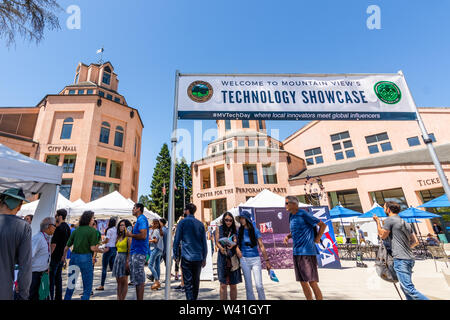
[{"x": 295, "y": 97}]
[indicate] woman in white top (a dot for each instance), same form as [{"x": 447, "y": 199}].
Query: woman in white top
[
  {"x": 110, "y": 250},
  {"x": 41, "y": 253}
]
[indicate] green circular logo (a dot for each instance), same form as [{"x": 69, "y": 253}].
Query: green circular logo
[{"x": 388, "y": 92}]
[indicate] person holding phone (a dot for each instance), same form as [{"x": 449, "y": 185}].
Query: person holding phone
[{"x": 121, "y": 268}]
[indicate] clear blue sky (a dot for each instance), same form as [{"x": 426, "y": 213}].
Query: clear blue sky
[{"x": 148, "y": 40}]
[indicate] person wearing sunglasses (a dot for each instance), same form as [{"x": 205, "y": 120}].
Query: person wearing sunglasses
[
  {"x": 249, "y": 239},
  {"x": 303, "y": 225},
  {"x": 228, "y": 268},
  {"x": 41, "y": 252}
]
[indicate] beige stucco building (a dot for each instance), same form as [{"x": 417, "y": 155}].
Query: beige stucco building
[
  {"x": 358, "y": 162},
  {"x": 88, "y": 129},
  {"x": 362, "y": 162},
  {"x": 240, "y": 163}
]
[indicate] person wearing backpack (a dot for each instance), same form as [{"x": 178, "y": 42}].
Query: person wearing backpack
[
  {"x": 305, "y": 236},
  {"x": 402, "y": 239}
]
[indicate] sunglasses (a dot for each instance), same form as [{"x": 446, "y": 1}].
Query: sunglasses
[
  {"x": 228, "y": 220},
  {"x": 51, "y": 224},
  {"x": 287, "y": 203}
]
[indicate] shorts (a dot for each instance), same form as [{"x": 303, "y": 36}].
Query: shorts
[
  {"x": 137, "y": 272},
  {"x": 306, "y": 269}
]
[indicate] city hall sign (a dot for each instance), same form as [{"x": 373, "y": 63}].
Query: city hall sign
[{"x": 56, "y": 148}]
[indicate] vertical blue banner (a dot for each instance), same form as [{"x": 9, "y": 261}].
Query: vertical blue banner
[{"x": 329, "y": 256}]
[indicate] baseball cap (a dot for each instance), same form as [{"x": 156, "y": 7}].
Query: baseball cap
[{"x": 13, "y": 197}]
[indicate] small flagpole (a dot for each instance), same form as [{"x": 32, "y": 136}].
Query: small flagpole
[
  {"x": 184, "y": 192},
  {"x": 164, "y": 198},
  {"x": 100, "y": 61}
]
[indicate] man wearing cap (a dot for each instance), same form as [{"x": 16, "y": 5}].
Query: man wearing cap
[{"x": 15, "y": 246}]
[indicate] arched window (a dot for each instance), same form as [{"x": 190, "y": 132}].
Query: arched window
[
  {"x": 104, "y": 132},
  {"x": 107, "y": 75},
  {"x": 118, "y": 137},
  {"x": 66, "y": 131}
]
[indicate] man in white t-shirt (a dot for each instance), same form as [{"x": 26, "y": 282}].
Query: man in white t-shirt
[{"x": 110, "y": 250}]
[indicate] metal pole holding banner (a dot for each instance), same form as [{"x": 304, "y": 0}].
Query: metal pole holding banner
[
  {"x": 171, "y": 204},
  {"x": 429, "y": 144}
]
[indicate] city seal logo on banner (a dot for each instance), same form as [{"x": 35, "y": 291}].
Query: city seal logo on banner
[
  {"x": 388, "y": 92},
  {"x": 200, "y": 91}
]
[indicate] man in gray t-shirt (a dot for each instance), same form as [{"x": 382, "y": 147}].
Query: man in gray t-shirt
[
  {"x": 15, "y": 246},
  {"x": 400, "y": 234}
]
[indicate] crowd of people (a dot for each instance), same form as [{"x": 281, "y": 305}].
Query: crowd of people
[{"x": 127, "y": 248}]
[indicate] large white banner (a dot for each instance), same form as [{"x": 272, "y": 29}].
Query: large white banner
[{"x": 295, "y": 97}]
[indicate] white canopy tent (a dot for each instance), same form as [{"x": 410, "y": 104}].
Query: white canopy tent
[
  {"x": 34, "y": 177},
  {"x": 264, "y": 199},
  {"x": 113, "y": 204},
  {"x": 78, "y": 203},
  {"x": 30, "y": 208}
]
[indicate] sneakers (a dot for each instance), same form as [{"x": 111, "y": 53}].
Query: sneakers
[
  {"x": 181, "y": 288},
  {"x": 150, "y": 277}
]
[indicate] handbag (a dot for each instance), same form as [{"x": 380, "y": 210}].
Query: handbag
[
  {"x": 235, "y": 264},
  {"x": 44, "y": 287}
]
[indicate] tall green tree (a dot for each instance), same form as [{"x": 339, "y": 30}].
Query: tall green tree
[
  {"x": 157, "y": 201},
  {"x": 183, "y": 181},
  {"x": 161, "y": 178}
]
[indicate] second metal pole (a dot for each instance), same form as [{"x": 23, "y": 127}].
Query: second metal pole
[{"x": 171, "y": 204}]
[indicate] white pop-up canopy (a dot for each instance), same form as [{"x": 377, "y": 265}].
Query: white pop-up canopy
[
  {"x": 264, "y": 199},
  {"x": 30, "y": 208},
  {"x": 78, "y": 203},
  {"x": 34, "y": 177},
  {"x": 113, "y": 204}
]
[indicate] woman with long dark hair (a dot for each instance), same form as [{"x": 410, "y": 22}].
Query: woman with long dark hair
[
  {"x": 121, "y": 268},
  {"x": 85, "y": 242},
  {"x": 228, "y": 267},
  {"x": 156, "y": 247},
  {"x": 110, "y": 250},
  {"x": 249, "y": 238}
]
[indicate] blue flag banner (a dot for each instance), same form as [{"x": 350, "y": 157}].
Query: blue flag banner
[{"x": 329, "y": 255}]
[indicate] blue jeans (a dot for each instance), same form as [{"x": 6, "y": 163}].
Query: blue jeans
[
  {"x": 251, "y": 266},
  {"x": 154, "y": 263},
  {"x": 85, "y": 266},
  {"x": 403, "y": 269},
  {"x": 108, "y": 259},
  {"x": 191, "y": 276},
  {"x": 56, "y": 280}
]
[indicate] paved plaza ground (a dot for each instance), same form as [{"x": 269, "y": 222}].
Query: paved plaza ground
[{"x": 348, "y": 283}]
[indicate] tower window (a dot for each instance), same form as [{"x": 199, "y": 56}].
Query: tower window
[
  {"x": 104, "y": 132},
  {"x": 118, "y": 137},
  {"x": 66, "y": 131}
]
